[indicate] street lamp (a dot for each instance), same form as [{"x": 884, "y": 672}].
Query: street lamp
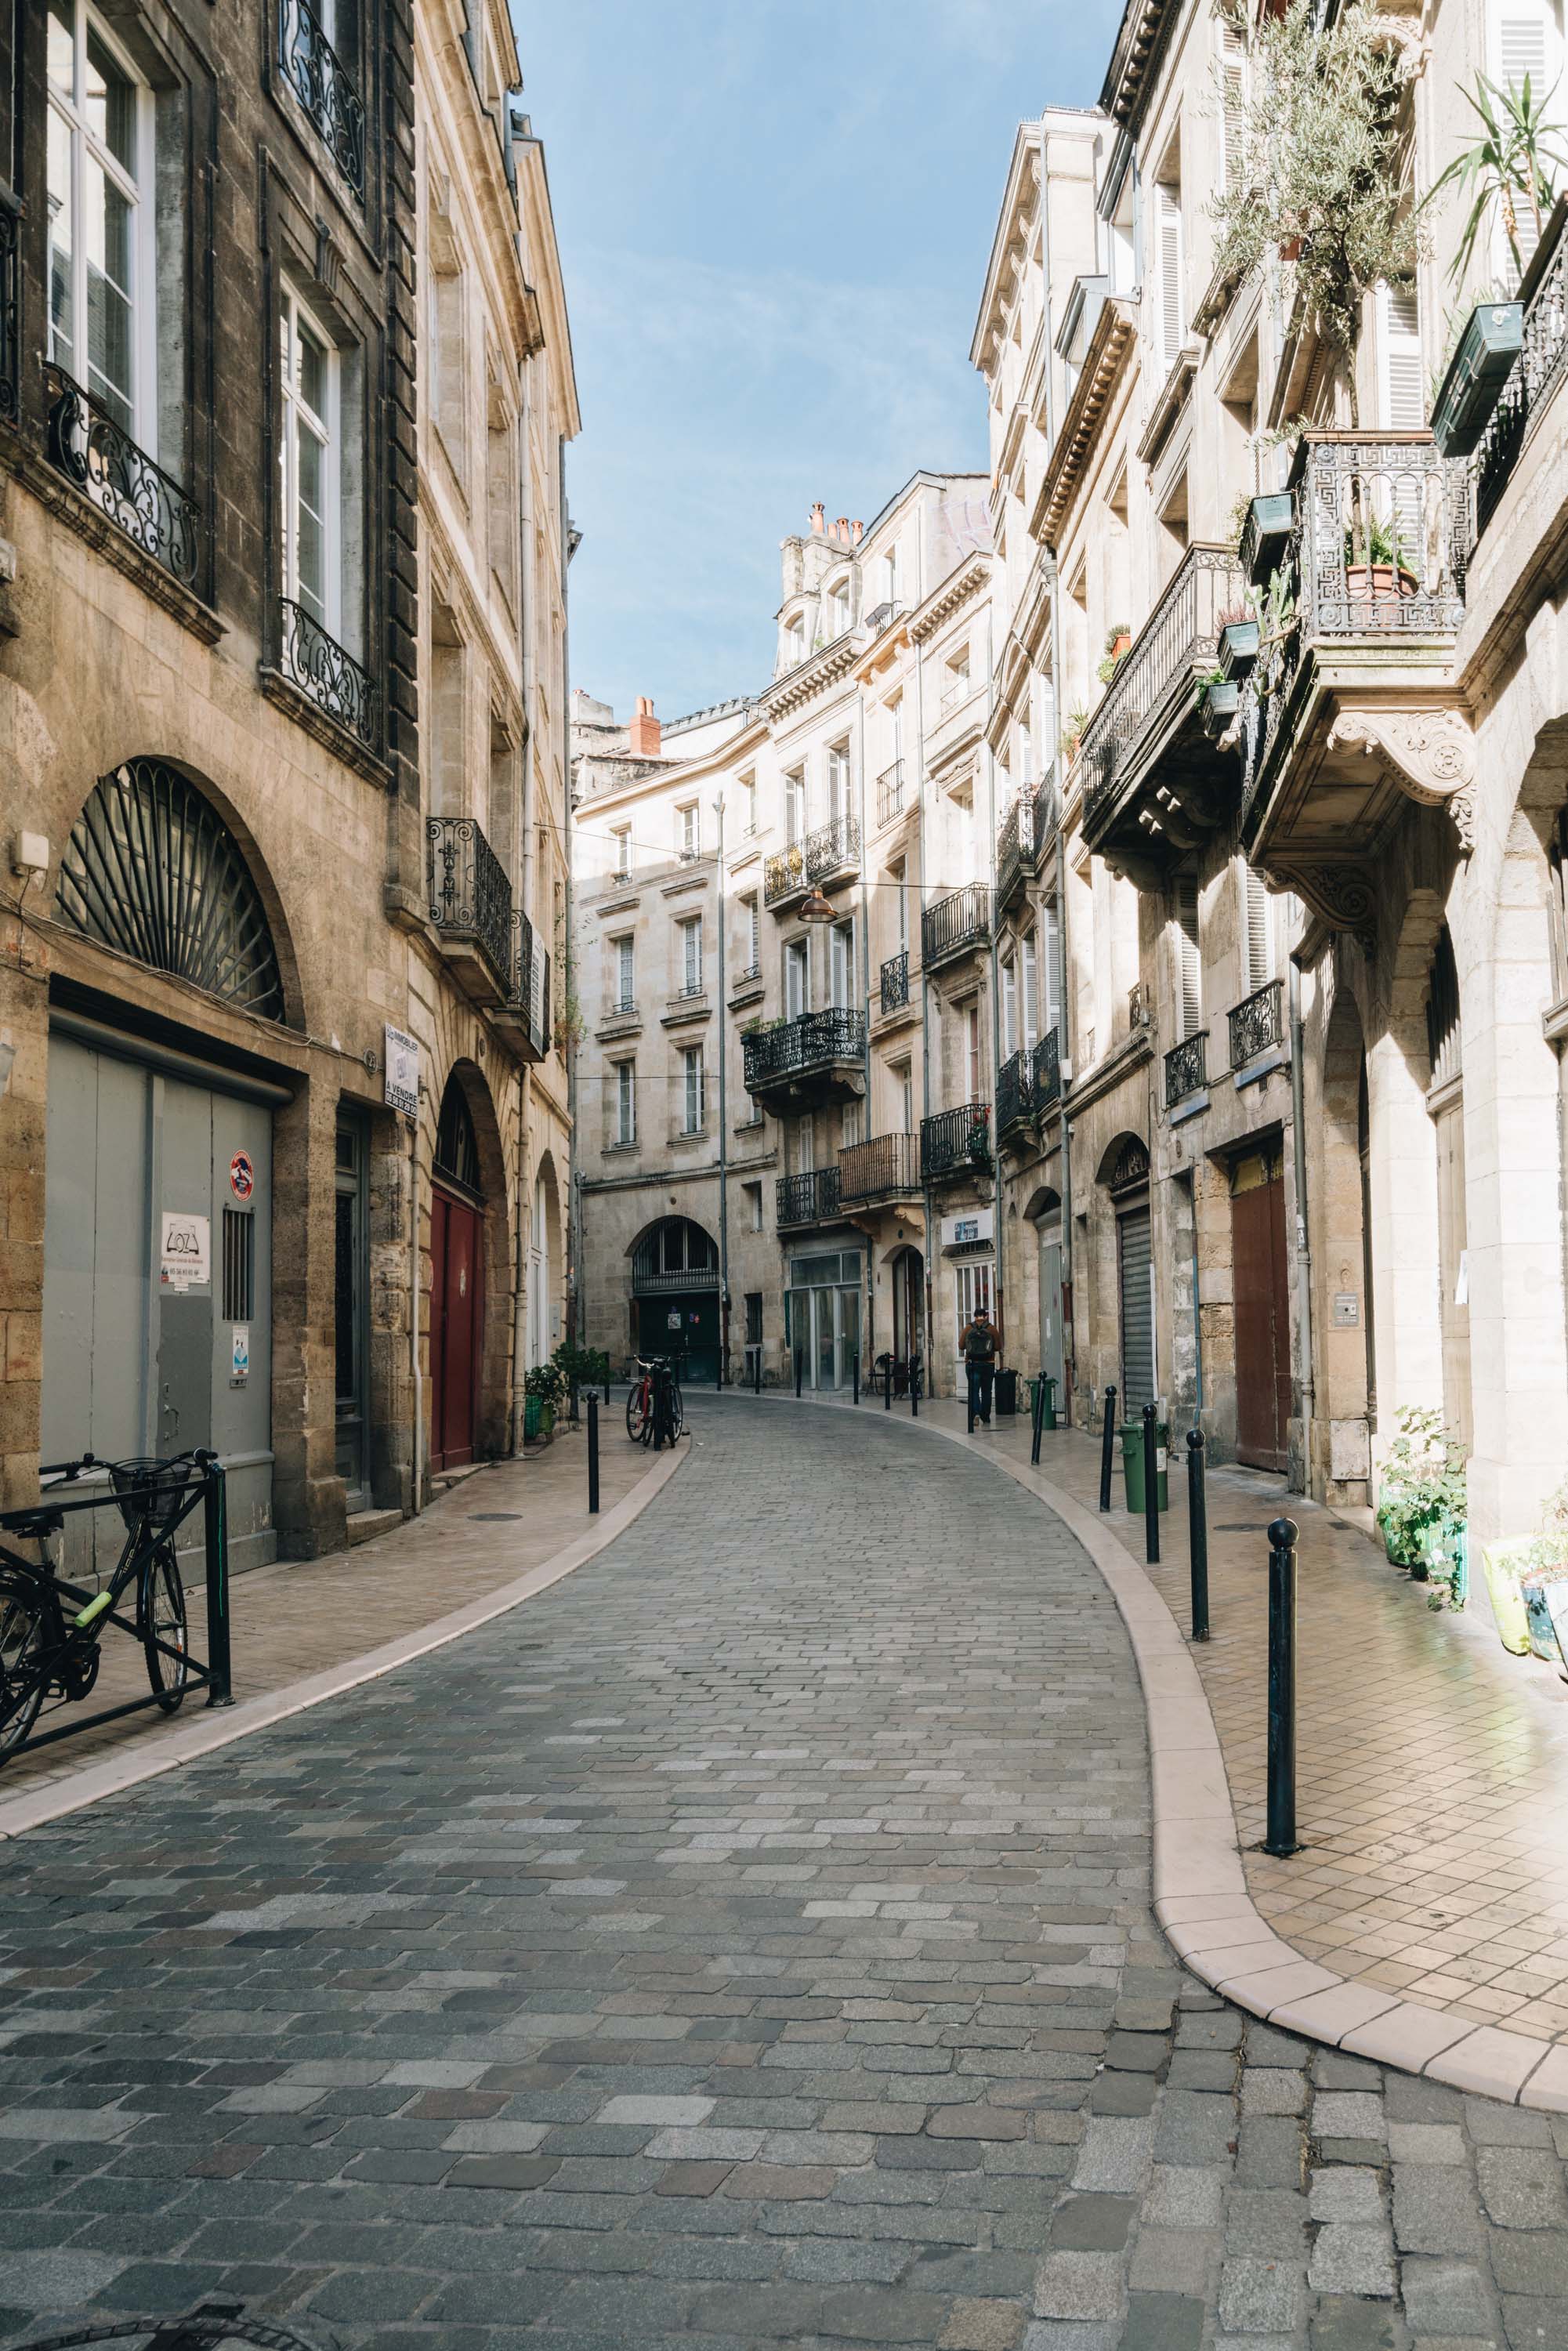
[{"x": 816, "y": 908}]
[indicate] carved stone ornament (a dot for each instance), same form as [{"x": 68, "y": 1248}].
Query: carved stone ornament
[
  {"x": 1340, "y": 896},
  {"x": 1428, "y": 754}
]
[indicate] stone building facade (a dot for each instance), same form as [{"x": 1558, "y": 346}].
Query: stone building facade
[{"x": 213, "y": 768}]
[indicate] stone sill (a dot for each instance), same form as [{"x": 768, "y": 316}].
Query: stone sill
[
  {"x": 1192, "y": 1107},
  {"x": 619, "y": 1024},
  {"x": 1263, "y": 1065},
  {"x": 1554, "y": 1022},
  {"x": 684, "y": 1008},
  {"x": 329, "y": 732}
]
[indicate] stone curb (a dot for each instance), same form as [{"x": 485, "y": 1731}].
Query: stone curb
[
  {"x": 1199, "y": 1888},
  {"x": 129, "y": 1768}
]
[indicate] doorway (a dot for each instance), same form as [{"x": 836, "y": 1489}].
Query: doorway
[
  {"x": 1135, "y": 1287},
  {"x": 350, "y": 1286},
  {"x": 456, "y": 1283},
  {"x": 908, "y": 1303},
  {"x": 1262, "y": 1309}
]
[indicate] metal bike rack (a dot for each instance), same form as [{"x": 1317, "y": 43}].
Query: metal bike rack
[{"x": 213, "y": 2327}]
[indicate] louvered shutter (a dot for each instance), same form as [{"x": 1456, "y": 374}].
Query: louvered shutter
[
  {"x": 1136, "y": 1269},
  {"x": 1399, "y": 332},
  {"x": 1172, "y": 318},
  {"x": 1189, "y": 992},
  {"x": 1260, "y": 954},
  {"x": 1525, "y": 47},
  {"x": 1232, "y": 85}
]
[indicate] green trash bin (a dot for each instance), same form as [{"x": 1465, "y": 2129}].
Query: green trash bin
[
  {"x": 1133, "y": 1464},
  {"x": 1046, "y": 1419}
]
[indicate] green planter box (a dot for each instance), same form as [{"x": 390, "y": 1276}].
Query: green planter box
[
  {"x": 531, "y": 1420},
  {"x": 1476, "y": 375},
  {"x": 1238, "y": 649},
  {"x": 1133, "y": 1464},
  {"x": 1266, "y": 533}
]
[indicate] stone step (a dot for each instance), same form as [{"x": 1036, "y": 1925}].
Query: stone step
[{"x": 365, "y": 1525}]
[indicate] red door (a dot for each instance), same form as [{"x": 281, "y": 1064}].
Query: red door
[
  {"x": 455, "y": 1328},
  {"x": 1262, "y": 1312}
]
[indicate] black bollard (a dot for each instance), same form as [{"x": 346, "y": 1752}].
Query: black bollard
[
  {"x": 800, "y": 1372},
  {"x": 857, "y": 1380},
  {"x": 1151, "y": 1490},
  {"x": 592, "y": 1457},
  {"x": 1197, "y": 1533},
  {"x": 1108, "y": 1441},
  {"x": 1282, "y": 1837},
  {"x": 756, "y": 1373},
  {"x": 215, "y": 1507},
  {"x": 969, "y": 1391},
  {"x": 888, "y": 1387},
  {"x": 1039, "y": 1421},
  {"x": 914, "y": 1388}
]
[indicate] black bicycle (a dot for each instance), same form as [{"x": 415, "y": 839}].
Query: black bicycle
[
  {"x": 52, "y": 1631},
  {"x": 654, "y": 1413}
]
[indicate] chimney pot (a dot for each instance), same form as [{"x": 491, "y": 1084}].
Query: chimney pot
[
  {"x": 817, "y": 513},
  {"x": 644, "y": 731},
  {"x": 859, "y": 528},
  {"x": 841, "y": 528}
]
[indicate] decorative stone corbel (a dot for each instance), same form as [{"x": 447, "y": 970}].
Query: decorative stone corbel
[
  {"x": 1429, "y": 754},
  {"x": 1343, "y": 896}
]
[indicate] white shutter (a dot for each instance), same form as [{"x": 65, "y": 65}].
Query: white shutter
[
  {"x": 1009, "y": 1010},
  {"x": 754, "y": 958},
  {"x": 1260, "y": 929},
  {"x": 1051, "y": 947},
  {"x": 1233, "y": 93},
  {"x": 1189, "y": 977},
  {"x": 1399, "y": 338},
  {"x": 1173, "y": 314},
  {"x": 1526, "y": 47},
  {"x": 1029, "y": 984}
]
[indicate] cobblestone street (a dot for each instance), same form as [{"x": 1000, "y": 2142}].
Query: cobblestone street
[{"x": 744, "y": 1941}]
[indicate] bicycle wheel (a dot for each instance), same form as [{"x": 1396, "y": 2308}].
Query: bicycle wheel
[
  {"x": 23, "y": 1636},
  {"x": 677, "y": 1410},
  {"x": 161, "y": 1618},
  {"x": 639, "y": 1414}
]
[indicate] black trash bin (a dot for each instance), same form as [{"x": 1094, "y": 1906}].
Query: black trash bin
[{"x": 1007, "y": 1392}]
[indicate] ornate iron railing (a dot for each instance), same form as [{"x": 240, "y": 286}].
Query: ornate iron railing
[
  {"x": 1048, "y": 1070},
  {"x": 955, "y": 923},
  {"x": 1015, "y": 845},
  {"x": 1257, "y": 1023},
  {"x": 320, "y": 80},
  {"x": 884, "y": 1164},
  {"x": 10, "y": 310},
  {"x": 470, "y": 896},
  {"x": 890, "y": 792},
  {"x": 1187, "y": 1069},
  {"x": 332, "y": 678},
  {"x": 797, "y": 1048},
  {"x": 895, "y": 981},
  {"x": 1180, "y": 635},
  {"x": 100, "y": 458},
  {"x": 1532, "y": 380},
  {"x": 956, "y": 1142},
  {"x": 834, "y": 849},
  {"x": 1045, "y": 814},
  {"x": 808, "y": 1198},
  {"x": 1015, "y": 1090}
]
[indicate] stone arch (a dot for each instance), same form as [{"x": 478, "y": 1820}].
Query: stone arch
[
  {"x": 1123, "y": 1163},
  {"x": 151, "y": 805},
  {"x": 467, "y": 1081},
  {"x": 546, "y": 1262}
]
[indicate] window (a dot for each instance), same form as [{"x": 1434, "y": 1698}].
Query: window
[
  {"x": 903, "y": 1076},
  {"x": 102, "y": 260},
  {"x": 748, "y": 806},
  {"x": 501, "y": 495},
  {"x": 955, "y": 683},
  {"x": 1009, "y": 979},
  {"x": 842, "y": 967},
  {"x": 625, "y": 974},
  {"x": 974, "y": 1066},
  {"x": 1171, "y": 317},
  {"x": 687, "y": 832},
  {"x": 753, "y": 1296},
  {"x": 795, "y": 805},
  {"x": 693, "y": 1106},
  {"x": 625, "y": 1102},
  {"x": 1024, "y": 749},
  {"x": 1232, "y": 100},
  {"x": 1188, "y": 965},
  {"x": 691, "y": 932},
  {"x": 890, "y": 575},
  {"x": 753, "y": 1193},
  {"x": 1401, "y": 387},
  {"x": 797, "y": 978},
  {"x": 794, "y": 643},
  {"x": 312, "y": 505},
  {"x": 1258, "y": 932},
  {"x": 839, "y": 782},
  {"x": 445, "y": 398},
  {"x": 621, "y": 837},
  {"x": 751, "y": 942},
  {"x": 1028, "y": 989},
  {"x": 1050, "y": 948},
  {"x": 839, "y": 608},
  {"x": 895, "y": 728},
  {"x": 1525, "y": 41},
  {"x": 900, "y": 906}
]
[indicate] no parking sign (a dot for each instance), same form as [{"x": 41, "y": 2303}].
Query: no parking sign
[{"x": 242, "y": 1176}]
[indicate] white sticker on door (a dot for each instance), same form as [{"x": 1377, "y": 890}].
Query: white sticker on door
[{"x": 185, "y": 1250}]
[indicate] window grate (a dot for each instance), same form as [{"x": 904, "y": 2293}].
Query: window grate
[{"x": 239, "y": 1265}]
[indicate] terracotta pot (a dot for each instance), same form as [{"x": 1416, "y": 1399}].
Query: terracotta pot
[
  {"x": 1367, "y": 581},
  {"x": 1121, "y": 645},
  {"x": 1291, "y": 248}
]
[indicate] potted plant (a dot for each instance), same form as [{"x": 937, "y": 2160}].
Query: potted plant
[
  {"x": 1374, "y": 564},
  {"x": 1420, "y": 1491},
  {"x": 1217, "y": 699},
  {"x": 1073, "y": 733},
  {"x": 1239, "y": 633},
  {"x": 1528, "y": 1580},
  {"x": 1117, "y": 640},
  {"x": 546, "y": 1385}
]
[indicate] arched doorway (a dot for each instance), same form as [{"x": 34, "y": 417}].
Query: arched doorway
[
  {"x": 538, "y": 1277},
  {"x": 1124, "y": 1172},
  {"x": 907, "y": 1278},
  {"x": 456, "y": 1282},
  {"x": 1044, "y": 1212},
  {"x": 674, "y": 1295}
]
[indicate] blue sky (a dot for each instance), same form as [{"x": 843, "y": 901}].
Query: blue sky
[{"x": 774, "y": 223}]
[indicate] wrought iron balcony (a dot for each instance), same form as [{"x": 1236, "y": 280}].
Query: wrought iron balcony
[
  {"x": 525, "y": 1014},
  {"x": 829, "y": 855},
  {"x": 884, "y": 1168},
  {"x": 956, "y": 925},
  {"x": 955, "y": 1142},
  {"x": 1186, "y": 1068},
  {"x": 1015, "y": 1091},
  {"x": 1045, "y": 803},
  {"x": 895, "y": 981},
  {"x": 808, "y": 1198},
  {"x": 817, "y": 1053},
  {"x": 1257, "y": 1024},
  {"x": 1532, "y": 380},
  {"x": 471, "y": 907},
  {"x": 1046, "y": 1072},
  {"x": 1015, "y": 847},
  {"x": 890, "y": 792},
  {"x": 1135, "y": 793},
  {"x": 98, "y": 456},
  {"x": 315, "y": 74},
  {"x": 318, "y": 664},
  {"x": 10, "y": 309}
]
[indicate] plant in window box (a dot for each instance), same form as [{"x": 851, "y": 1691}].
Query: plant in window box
[
  {"x": 1527, "y": 1582},
  {"x": 1217, "y": 699},
  {"x": 1073, "y": 733},
  {"x": 1421, "y": 1494},
  {"x": 978, "y": 1144}
]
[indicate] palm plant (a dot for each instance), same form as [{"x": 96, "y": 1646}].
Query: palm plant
[{"x": 1514, "y": 164}]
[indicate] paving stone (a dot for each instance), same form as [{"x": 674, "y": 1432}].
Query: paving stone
[
  {"x": 1270, "y": 2152},
  {"x": 1332, "y": 2069},
  {"x": 1348, "y": 2115},
  {"x": 1079, "y": 2286},
  {"x": 982, "y": 2323},
  {"x": 1136, "y": 2052},
  {"x": 1272, "y": 2089},
  {"x": 1218, "y": 2028},
  {"x": 1092, "y": 2223},
  {"x": 1174, "y": 2261},
  {"x": 1522, "y": 2187},
  {"x": 691, "y": 2179},
  {"x": 1124, "y": 2094},
  {"x": 1350, "y": 2259},
  {"x": 1490, "y": 2125},
  {"x": 513, "y": 2171},
  {"x": 1270, "y": 2223},
  {"x": 1202, "y": 2069},
  {"x": 1529, "y": 2261},
  {"x": 1163, "y": 2322},
  {"x": 1443, "y": 2297},
  {"x": 1342, "y": 2322},
  {"x": 1185, "y": 2197},
  {"x": 1435, "y": 2210},
  {"x": 1345, "y": 2193},
  {"x": 780, "y": 2182},
  {"x": 1194, "y": 2128},
  {"x": 1265, "y": 2046},
  {"x": 1531, "y": 2324},
  {"x": 1259, "y": 2297},
  {"x": 1427, "y": 2143}
]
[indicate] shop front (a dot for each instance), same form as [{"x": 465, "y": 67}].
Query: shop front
[{"x": 822, "y": 1317}]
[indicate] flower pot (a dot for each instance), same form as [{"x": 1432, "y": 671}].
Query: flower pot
[
  {"x": 1366, "y": 583},
  {"x": 1503, "y": 1563},
  {"x": 546, "y": 1416},
  {"x": 1539, "y": 1588},
  {"x": 1119, "y": 644},
  {"x": 1219, "y": 708},
  {"x": 530, "y": 1419},
  {"x": 1291, "y": 248},
  {"x": 1238, "y": 648},
  {"x": 1266, "y": 533}
]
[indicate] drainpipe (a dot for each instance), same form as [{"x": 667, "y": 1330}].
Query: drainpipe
[
  {"x": 1303, "y": 1244},
  {"x": 525, "y": 886},
  {"x": 573, "y": 1196},
  {"x": 868, "y": 1351},
  {"x": 413, "y": 1307},
  {"x": 929, "y": 1349},
  {"x": 996, "y": 990},
  {"x": 723, "y": 1117},
  {"x": 1064, "y": 961}
]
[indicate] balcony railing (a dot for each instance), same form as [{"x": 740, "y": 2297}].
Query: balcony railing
[
  {"x": 1046, "y": 814},
  {"x": 1015, "y": 1091},
  {"x": 895, "y": 981},
  {"x": 882, "y": 616},
  {"x": 98, "y": 456},
  {"x": 1257, "y": 1023},
  {"x": 10, "y": 310},
  {"x": 955, "y": 923},
  {"x": 318, "y": 664},
  {"x": 884, "y": 1167},
  {"x": 1532, "y": 380},
  {"x": 1179, "y": 637},
  {"x": 808, "y": 1198},
  {"x": 833, "y": 850},
  {"x": 1186, "y": 1068},
  {"x": 813, "y": 1041},
  {"x": 470, "y": 896},
  {"x": 956, "y": 1142},
  {"x": 890, "y": 792},
  {"x": 315, "y": 74},
  {"x": 1046, "y": 1072}
]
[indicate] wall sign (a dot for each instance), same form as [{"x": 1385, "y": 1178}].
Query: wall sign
[
  {"x": 242, "y": 1176},
  {"x": 240, "y": 1375},
  {"x": 184, "y": 1251},
  {"x": 400, "y": 1088},
  {"x": 965, "y": 1230}
]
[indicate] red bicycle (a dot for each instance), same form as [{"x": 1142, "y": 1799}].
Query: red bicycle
[{"x": 653, "y": 1374}]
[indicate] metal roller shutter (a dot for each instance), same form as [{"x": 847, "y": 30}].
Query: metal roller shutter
[{"x": 1137, "y": 1310}]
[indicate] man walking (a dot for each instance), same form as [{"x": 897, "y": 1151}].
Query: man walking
[{"x": 978, "y": 1343}]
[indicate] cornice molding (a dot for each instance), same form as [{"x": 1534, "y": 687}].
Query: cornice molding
[
  {"x": 954, "y": 591},
  {"x": 1110, "y": 347}
]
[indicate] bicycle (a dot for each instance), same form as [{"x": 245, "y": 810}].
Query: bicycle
[
  {"x": 47, "y": 1654},
  {"x": 641, "y": 1413}
]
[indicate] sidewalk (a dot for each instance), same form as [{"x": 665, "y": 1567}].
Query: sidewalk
[
  {"x": 1432, "y": 1772},
  {"x": 302, "y": 1629}
]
